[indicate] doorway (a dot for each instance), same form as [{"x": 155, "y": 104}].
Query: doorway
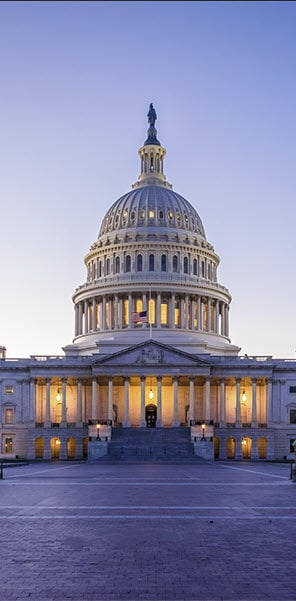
[{"x": 151, "y": 415}]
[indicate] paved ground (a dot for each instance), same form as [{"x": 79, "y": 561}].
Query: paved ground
[{"x": 206, "y": 532}]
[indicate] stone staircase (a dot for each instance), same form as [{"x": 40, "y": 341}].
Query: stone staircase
[{"x": 151, "y": 444}]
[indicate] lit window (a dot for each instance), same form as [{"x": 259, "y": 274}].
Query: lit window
[
  {"x": 164, "y": 314},
  {"x": 139, "y": 305},
  {"x": 8, "y": 445},
  {"x": 8, "y": 417},
  {"x": 151, "y": 214},
  {"x": 170, "y": 215},
  {"x": 125, "y": 312},
  {"x": 142, "y": 214},
  {"x": 9, "y": 390},
  {"x": 151, "y": 306}
]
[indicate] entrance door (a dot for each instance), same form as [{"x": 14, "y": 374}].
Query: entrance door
[{"x": 151, "y": 414}]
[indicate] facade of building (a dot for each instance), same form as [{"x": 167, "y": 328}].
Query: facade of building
[{"x": 151, "y": 344}]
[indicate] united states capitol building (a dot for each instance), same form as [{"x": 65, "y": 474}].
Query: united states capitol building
[{"x": 151, "y": 350}]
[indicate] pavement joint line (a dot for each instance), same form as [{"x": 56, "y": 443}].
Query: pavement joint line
[
  {"x": 10, "y": 480},
  {"x": 242, "y": 469},
  {"x": 147, "y": 517},
  {"x": 175, "y": 507}
]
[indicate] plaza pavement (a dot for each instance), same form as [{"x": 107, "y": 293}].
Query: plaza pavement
[{"x": 99, "y": 532}]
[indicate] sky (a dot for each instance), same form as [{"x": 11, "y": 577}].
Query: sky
[{"x": 76, "y": 81}]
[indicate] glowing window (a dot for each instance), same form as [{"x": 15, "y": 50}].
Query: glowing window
[
  {"x": 139, "y": 305},
  {"x": 8, "y": 445},
  {"x": 125, "y": 312},
  {"x": 151, "y": 214},
  {"x": 9, "y": 390},
  {"x": 151, "y": 309},
  {"x": 142, "y": 214},
  {"x": 8, "y": 417},
  {"x": 170, "y": 215},
  {"x": 164, "y": 314}
]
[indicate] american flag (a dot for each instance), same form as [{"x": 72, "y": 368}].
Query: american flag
[{"x": 139, "y": 317}]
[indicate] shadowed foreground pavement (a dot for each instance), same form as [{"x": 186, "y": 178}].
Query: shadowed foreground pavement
[{"x": 207, "y": 532}]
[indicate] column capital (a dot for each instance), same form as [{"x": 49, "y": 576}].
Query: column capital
[
  {"x": 254, "y": 380},
  {"x": 159, "y": 378},
  {"x": 238, "y": 380},
  {"x": 175, "y": 378},
  {"x": 126, "y": 378},
  {"x": 142, "y": 378}
]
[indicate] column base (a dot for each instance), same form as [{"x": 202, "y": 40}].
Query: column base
[
  {"x": 126, "y": 423},
  {"x": 143, "y": 423},
  {"x": 175, "y": 424},
  {"x": 254, "y": 425},
  {"x": 63, "y": 425},
  {"x": 158, "y": 423},
  {"x": 47, "y": 424}
]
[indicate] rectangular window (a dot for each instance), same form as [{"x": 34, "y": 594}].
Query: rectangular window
[
  {"x": 9, "y": 390},
  {"x": 292, "y": 416},
  {"x": 8, "y": 445},
  {"x": 8, "y": 417},
  {"x": 125, "y": 312},
  {"x": 292, "y": 389},
  {"x": 164, "y": 314},
  {"x": 292, "y": 449},
  {"x": 151, "y": 311}
]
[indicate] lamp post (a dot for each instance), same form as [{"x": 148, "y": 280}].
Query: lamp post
[{"x": 203, "y": 431}]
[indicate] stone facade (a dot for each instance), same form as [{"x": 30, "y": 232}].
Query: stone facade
[{"x": 151, "y": 344}]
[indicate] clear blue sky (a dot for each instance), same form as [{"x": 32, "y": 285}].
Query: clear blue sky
[{"x": 76, "y": 82}]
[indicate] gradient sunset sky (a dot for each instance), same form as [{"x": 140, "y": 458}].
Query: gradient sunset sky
[{"x": 77, "y": 79}]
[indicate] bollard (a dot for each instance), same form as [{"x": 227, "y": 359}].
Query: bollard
[{"x": 293, "y": 472}]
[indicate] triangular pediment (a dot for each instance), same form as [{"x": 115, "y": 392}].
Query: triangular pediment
[{"x": 154, "y": 354}]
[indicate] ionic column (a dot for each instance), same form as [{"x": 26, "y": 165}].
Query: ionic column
[
  {"x": 269, "y": 416},
  {"x": 110, "y": 399},
  {"x": 191, "y": 399},
  {"x": 158, "y": 307},
  {"x": 142, "y": 418},
  {"x": 222, "y": 403},
  {"x": 64, "y": 402},
  {"x": 47, "y": 403},
  {"x": 223, "y": 319},
  {"x": 80, "y": 318},
  {"x": 182, "y": 313},
  {"x": 33, "y": 396},
  {"x": 254, "y": 403},
  {"x": 86, "y": 317},
  {"x": 238, "y": 406},
  {"x": 94, "y": 414},
  {"x": 79, "y": 403},
  {"x": 208, "y": 399},
  {"x": 227, "y": 320},
  {"x": 126, "y": 421},
  {"x": 120, "y": 317},
  {"x": 159, "y": 404},
  {"x": 216, "y": 326},
  {"x": 145, "y": 308},
  {"x": 175, "y": 387}
]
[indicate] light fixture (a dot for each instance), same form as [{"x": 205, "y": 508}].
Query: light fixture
[
  {"x": 58, "y": 396},
  {"x": 244, "y": 396},
  {"x": 151, "y": 395},
  {"x": 203, "y": 431}
]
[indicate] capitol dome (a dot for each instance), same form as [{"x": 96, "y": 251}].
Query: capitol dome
[{"x": 151, "y": 272}]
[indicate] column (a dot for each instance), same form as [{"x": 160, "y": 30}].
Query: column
[
  {"x": 191, "y": 399},
  {"x": 79, "y": 403},
  {"x": 116, "y": 311},
  {"x": 142, "y": 418},
  {"x": 145, "y": 308},
  {"x": 32, "y": 410},
  {"x": 158, "y": 309},
  {"x": 186, "y": 312},
  {"x": 237, "y": 406},
  {"x": 129, "y": 310},
  {"x": 227, "y": 320},
  {"x": 47, "y": 403},
  {"x": 104, "y": 313},
  {"x": 94, "y": 314},
  {"x": 126, "y": 421},
  {"x": 159, "y": 407},
  {"x": 223, "y": 319},
  {"x": 209, "y": 315},
  {"x": 216, "y": 328},
  {"x": 85, "y": 316},
  {"x": 269, "y": 416},
  {"x": 64, "y": 403},
  {"x": 182, "y": 313},
  {"x": 76, "y": 320},
  {"x": 94, "y": 414},
  {"x": 208, "y": 399},
  {"x": 173, "y": 301},
  {"x": 222, "y": 403},
  {"x": 199, "y": 313},
  {"x": 175, "y": 388},
  {"x": 120, "y": 318},
  {"x": 110, "y": 399},
  {"x": 254, "y": 403}
]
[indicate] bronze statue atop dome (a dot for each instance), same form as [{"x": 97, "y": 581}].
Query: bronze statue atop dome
[{"x": 151, "y": 115}]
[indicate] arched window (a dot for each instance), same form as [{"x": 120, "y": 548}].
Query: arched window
[
  {"x": 163, "y": 263},
  {"x": 100, "y": 269},
  {"x": 151, "y": 262},
  {"x": 203, "y": 269},
  {"x": 127, "y": 263},
  {"x": 117, "y": 265},
  {"x": 185, "y": 265},
  {"x": 139, "y": 263},
  {"x": 108, "y": 267},
  {"x": 194, "y": 267},
  {"x": 175, "y": 263}
]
